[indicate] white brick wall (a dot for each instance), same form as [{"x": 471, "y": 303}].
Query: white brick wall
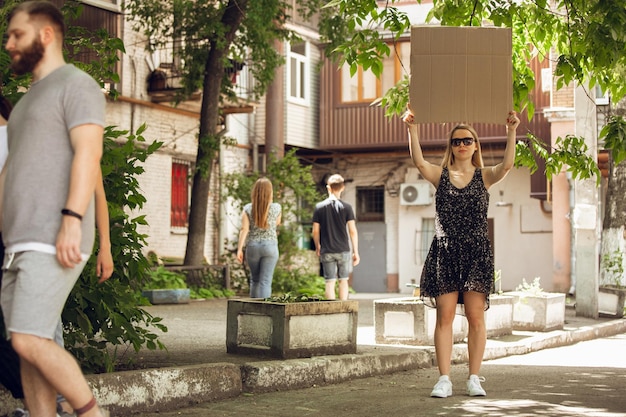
[{"x": 178, "y": 133}]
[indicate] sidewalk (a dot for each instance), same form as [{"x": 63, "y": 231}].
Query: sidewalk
[{"x": 196, "y": 367}]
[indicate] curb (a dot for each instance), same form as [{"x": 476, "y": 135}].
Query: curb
[
  {"x": 167, "y": 389},
  {"x": 154, "y": 390}
]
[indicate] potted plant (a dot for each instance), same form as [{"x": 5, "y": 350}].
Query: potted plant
[
  {"x": 612, "y": 292},
  {"x": 166, "y": 287},
  {"x": 535, "y": 309},
  {"x": 291, "y": 326}
]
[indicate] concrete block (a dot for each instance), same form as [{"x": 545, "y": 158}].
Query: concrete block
[
  {"x": 408, "y": 321},
  {"x": 499, "y": 317},
  {"x": 539, "y": 313},
  {"x": 291, "y": 330},
  {"x": 611, "y": 301},
  {"x": 167, "y": 296}
]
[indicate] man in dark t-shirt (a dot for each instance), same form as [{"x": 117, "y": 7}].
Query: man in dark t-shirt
[{"x": 334, "y": 228}]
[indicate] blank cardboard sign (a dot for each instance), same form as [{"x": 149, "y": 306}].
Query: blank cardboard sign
[{"x": 461, "y": 74}]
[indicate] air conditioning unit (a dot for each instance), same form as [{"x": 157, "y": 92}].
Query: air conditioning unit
[{"x": 416, "y": 194}]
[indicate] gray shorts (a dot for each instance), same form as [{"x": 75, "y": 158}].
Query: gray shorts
[
  {"x": 34, "y": 290},
  {"x": 336, "y": 265}
]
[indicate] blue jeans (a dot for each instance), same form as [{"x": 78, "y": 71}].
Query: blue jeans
[{"x": 262, "y": 258}]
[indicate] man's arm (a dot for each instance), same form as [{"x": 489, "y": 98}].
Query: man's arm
[
  {"x": 316, "y": 238},
  {"x": 3, "y": 175},
  {"x": 86, "y": 141},
  {"x": 354, "y": 237},
  {"x": 104, "y": 261}
]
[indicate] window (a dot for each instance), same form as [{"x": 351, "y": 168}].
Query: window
[
  {"x": 426, "y": 235},
  {"x": 365, "y": 87},
  {"x": 96, "y": 15},
  {"x": 602, "y": 97},
  {"x": 180, "y": 194},
  {"x": 298, "y": 72},
  {"x": 370, "y": 204}
]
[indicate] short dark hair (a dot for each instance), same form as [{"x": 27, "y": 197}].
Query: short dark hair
[
  {"x": 335, "y": 182},
  {"x": 41, "y": 10}
]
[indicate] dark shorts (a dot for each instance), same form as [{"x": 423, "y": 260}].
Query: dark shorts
[{"x": 336, "y": 265}]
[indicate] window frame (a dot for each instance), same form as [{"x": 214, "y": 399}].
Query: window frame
[
  {"x": 180, "y": 203},
  {"x": 397, "y": 75},
  {"x": 370, "y": 203},
  {"x": 303, "y": 81}
]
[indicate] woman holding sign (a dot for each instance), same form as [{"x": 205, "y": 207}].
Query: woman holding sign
[{"x": 459, "y": 267}]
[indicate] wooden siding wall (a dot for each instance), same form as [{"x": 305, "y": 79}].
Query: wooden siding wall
[
  {"x": 360, "y": 126},
  {"x": 94, "y": 18}
]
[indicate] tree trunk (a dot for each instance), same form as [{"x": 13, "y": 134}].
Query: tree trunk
[
  {"x": 275, "y": 111},
  {"x": 613, "y": 231},
  {"x": 209, "y": 138}
]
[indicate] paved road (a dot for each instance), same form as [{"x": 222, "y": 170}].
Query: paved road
[{"x": 588, "y": 378}]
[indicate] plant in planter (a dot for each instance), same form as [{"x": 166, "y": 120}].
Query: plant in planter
[
  {"x": 612, "y": 292},
  {"x": 535, "y": 309},
  {"x": 166, "y": 287},
  {"x": 290, "y": 326}
]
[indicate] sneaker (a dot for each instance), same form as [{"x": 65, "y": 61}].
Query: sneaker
[
  {"x": 61, "y": 412},
  {"x": 18, "y": 412},
  {"x": 443, "y": 387},
  {"x": 473, "y": 386}
]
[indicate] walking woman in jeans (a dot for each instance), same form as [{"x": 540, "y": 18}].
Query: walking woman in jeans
[{"x": 258, "y": 232}]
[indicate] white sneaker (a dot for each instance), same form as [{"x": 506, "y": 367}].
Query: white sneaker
[
  {"x": 474, "y": 389},
  {"x": 443, "y": 387}
]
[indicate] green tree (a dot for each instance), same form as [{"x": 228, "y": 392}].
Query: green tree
[
  {"x": 589, "y": 38},
  {"x": 215, "y": 36}
]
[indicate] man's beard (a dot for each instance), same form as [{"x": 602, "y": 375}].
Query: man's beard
[{"x": 29, "y": 58}]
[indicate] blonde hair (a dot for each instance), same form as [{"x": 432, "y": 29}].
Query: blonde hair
[
  {"x": 335, "y": 182},
  {"x": 448, "y": 156},
  {"x": 262, "y": 196}
]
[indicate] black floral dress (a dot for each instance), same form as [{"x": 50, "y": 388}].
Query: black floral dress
[{"x": 460, "y": 257}]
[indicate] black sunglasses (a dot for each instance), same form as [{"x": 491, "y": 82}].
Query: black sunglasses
[{"x": 457, "y": 141}]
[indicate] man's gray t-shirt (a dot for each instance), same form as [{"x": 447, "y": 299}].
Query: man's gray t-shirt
[{"x": 40, "y": 157}]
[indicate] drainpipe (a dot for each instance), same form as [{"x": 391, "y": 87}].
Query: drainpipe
[
  {"x": 220, "y": 209},
  {"x": 572, "y": 198}
]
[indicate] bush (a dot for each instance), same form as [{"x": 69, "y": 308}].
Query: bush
[
  {"x": 297, "y": 282},
  {"x": 100, "y": 315},
  {"x": 163, "y": 279}
]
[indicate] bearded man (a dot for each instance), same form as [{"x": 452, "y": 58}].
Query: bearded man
[{"x": 48, "y": 184}]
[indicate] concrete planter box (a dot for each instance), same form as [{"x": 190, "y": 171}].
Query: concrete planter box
[
  {"x": 538, "y": 313},
  {"x": 408, "y": 321},
  {"x": 611, "y": 301},
  {"x": 167, "y": 296},
  {"x": 291, "y": 330},
  {"x": 499, "y": 317}
]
